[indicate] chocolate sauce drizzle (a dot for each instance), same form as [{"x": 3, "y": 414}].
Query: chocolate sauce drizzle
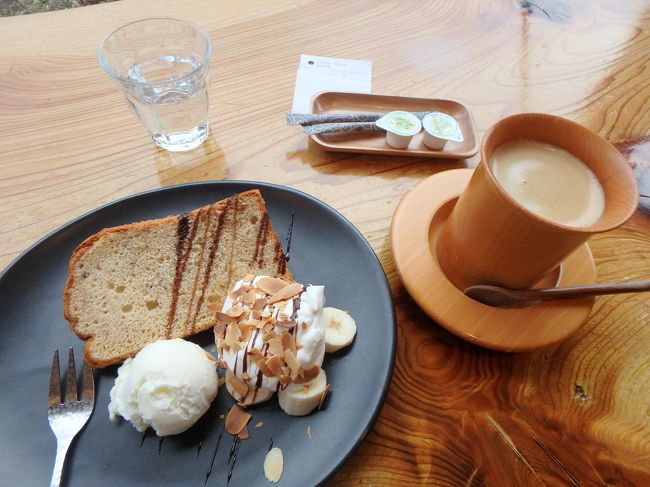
[
  {"x": 289, "y": 235},
  {"x": 260, "y": 242},
  {"x": 214, "y": 455},
  {"x": 280, "y": 259},
  {"x": 232, "y": 456},
  {"x": 160, "y": 442},
  {"x": 204, "y": 214},
  {"x": 184, "y": 239},
  {"x": 200, "y": 445},
  {"x": 234, "y": 245},
  {"x": 213, "y": 252},
  {"x": 144, "y": 435},
  {"x": 182, "y": 232}
]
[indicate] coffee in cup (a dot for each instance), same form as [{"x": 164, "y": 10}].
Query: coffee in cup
[
  {"x": 493, "y": 237},
  {"x": 549, "y": 182}
]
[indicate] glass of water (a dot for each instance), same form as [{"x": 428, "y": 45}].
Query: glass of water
[{"x": 161, "y": 65}]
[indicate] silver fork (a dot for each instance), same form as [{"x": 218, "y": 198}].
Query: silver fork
[{"x": 67, "y": 418}]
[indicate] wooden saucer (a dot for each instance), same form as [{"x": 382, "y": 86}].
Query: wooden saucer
[{"x": 416, "y": 223}]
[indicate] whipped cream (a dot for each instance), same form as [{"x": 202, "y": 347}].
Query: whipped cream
[
  {"x": 168, "y": 385},
  {"x": 305, "y": 311}
]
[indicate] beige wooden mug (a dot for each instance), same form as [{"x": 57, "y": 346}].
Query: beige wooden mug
[{"x": 490, "y": 238}]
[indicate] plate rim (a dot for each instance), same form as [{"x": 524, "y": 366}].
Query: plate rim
[{"x": 392, "y": 317}]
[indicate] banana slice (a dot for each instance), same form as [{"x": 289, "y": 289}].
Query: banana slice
[
  {"x": 340, "y": 329},
  {"x": 301, "y": 399},
  {"x": 250, "y": 397}
]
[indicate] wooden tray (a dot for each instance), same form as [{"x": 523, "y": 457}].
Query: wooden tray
[{"x": 375, "y": 142}]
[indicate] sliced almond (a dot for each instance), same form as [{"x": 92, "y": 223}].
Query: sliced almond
[
  {"x": 273, "y": 465},
  {"x": 275, "y": 346},
  {"x": 261, "y": 364},
  {"x": 306, "y": 375},
  {"x": 249, "y": 298},
  {"x": 286, "y": 292},
  {"x": 240, "y": 291},
  {"x": 210, "y": 357},
  {"x": 245, "y": 376},
  {"x": 236, "y": 420},
  {"x": 243, "y": 434},
  {"x": 291, "y": 361},
  {"x": 255, "y": 354},
  {"x": 288, "y": 342},
  {"x": 323, "y": 396},
  {"x": 308, "y": 431},
  {"x": 256, "y": 322},
  {"x": 259, "y": 425},
  {"x": 223, "y": 318},
  {"x": 239, "y": 386},
  {"x": 235, "y": 311},
  {"x": 221, "y": 416},
  {"x": 245, "y": 330},
  {"x": 259, "y": 304},
  {"x": 285, "y": 324},
  {"x": 271, "y": 285},
  {"x": 275, "y": 363},
  {"x": 233, "y": 335},
  {"x": 220, "y": 330},
  {"x": 285, "y": 379},
  {"x": 311, "y": 372}
]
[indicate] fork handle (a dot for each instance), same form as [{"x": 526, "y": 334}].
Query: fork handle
[{"x": 62, "y": 446}]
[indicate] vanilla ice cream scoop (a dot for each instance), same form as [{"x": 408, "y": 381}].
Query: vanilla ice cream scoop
[{"x": 168, "y": 385}]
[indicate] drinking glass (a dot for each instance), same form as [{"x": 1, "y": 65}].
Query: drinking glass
[{"x": 161, "y": 66}]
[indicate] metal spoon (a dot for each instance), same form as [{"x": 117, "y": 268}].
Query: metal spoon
[{"x": 503, "y": 297}]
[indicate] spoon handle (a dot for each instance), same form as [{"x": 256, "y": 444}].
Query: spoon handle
[{"x": 589, "y": 290}]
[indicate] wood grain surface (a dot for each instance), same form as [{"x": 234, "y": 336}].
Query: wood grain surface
[{"x": 577, "y": 413}]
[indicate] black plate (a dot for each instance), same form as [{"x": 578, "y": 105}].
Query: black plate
[{"x": 325, "y": 249}]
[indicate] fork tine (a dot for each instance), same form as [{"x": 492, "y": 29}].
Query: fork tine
[
  {"x": 88, "y": 386},
  {"x": 54, "y": 396},
  {"x": 71, "y": 378}
]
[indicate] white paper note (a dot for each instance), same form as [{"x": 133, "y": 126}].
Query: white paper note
[{"x": 316, "y": 74}]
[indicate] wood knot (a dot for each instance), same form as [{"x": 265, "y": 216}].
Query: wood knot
[{"x": 580, "y": 395}]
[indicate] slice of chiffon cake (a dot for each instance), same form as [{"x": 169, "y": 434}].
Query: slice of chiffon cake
[{"x": 131, "y": 285}]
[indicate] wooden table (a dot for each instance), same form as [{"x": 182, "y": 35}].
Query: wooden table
[{"x": 573, "y": 414}]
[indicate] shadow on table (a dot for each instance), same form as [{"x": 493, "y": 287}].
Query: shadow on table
[
  {"x": 386, "y": 166},
  {"x": 205, "y": 163}
]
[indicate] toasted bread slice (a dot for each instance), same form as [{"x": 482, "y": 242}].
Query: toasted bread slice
[{"x": 131, "y": 285}]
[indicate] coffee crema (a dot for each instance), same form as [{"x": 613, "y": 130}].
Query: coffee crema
[{"x": 549, "y": 181}]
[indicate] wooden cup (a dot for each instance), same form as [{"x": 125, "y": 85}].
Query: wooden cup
[{"x": 489, "y": 238}]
